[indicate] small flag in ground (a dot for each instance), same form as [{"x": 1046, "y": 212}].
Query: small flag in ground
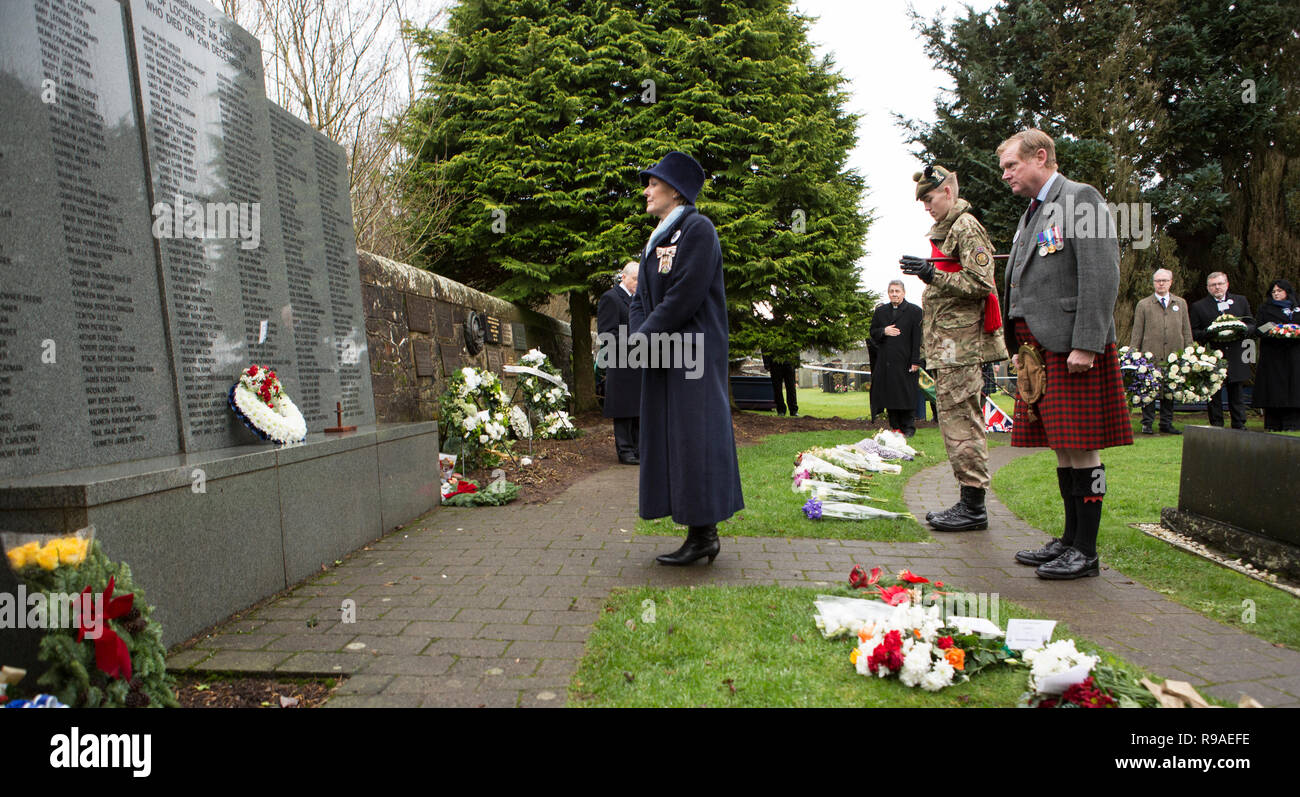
[{"x": 995, "y": 420}]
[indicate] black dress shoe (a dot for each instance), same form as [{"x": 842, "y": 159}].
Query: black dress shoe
[
  {"x": 1147, "y": 430},
  {"x": 1070, "y": 564},
  {"x": 701, "y": 541},
  {"x": 629, "y": 460},
  {"x": 1170, "y": 430},
  {"x": 1041, "y": 556}
]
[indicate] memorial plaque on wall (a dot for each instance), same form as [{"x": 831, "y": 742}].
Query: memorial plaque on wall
[
  {"x": 320, "y": 260},
  {"x": 492, "y": 329},
  {"x": 419, "y": 314},
  {"x": 422, "y": 351},
  {"x": 519, "y": 336},
  {"x": 494, "y": 362},
  {"x": 450, "y": 354},
  {"x": 216, "y": 216},
  {"x": 85, "y": 377},
  {"x": 446, "y": 329}
]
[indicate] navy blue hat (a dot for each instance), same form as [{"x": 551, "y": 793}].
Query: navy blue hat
[{"x": 679, "y": 170}]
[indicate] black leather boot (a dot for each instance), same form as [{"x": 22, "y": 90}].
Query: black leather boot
[
  {"x": 701, "y": 541},
  {"x": 968, "y": 515}
]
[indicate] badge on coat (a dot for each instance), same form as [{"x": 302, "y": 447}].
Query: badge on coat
[
  {"x": 666, "y": 255},
  {"x": 676, "y": 235},
  {"x": 981, "y": 256}
]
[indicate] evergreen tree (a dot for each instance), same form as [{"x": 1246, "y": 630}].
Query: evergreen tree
[{"x": 549, "y": 109}]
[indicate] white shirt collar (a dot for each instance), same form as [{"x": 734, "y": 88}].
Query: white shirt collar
[
  {"x": 1042, "y": 192},
  {"x": 625, "y": 290}
]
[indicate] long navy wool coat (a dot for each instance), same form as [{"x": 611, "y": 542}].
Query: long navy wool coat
[{"x": 688, "y": 451}]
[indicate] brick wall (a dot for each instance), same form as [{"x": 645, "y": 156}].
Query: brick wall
[{"x": 415, "y": 327}]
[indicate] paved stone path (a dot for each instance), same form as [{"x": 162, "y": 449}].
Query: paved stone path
[{"x": 491, "y": 606}]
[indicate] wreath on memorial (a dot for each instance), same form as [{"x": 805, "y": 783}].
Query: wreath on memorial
[
  {"x": 258, "y": 399},
  {"x": 109, "y": 653},
  {"x": 1142, "y": 378},
  {"x": 546, "y": 402},
  {"x": 1195, "y": 374},
  {"x": 474, "y": 417}
]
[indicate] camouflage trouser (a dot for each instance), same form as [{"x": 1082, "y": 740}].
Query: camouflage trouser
[{"x": 961, "y": 419}]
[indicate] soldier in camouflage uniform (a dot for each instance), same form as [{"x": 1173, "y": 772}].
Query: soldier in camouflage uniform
[{"x": 961, "y": 331}]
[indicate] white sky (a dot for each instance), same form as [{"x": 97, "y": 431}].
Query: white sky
[{"x": 876, "y": 49}]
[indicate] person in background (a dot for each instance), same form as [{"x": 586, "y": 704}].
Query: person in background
[
  {"x": 896, "y": 331},
  {"x": 1277, "y": 375},
  {"x": 1203, "y": 313},
  {"x": 1162, "y": 326},
  {"x": 622, "y": 385},
  {"x": 782, "y": 375}
]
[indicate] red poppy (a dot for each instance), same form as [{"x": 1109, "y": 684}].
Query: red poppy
[
  {"x": 895, "y": 596},
  {"x": 252, "y": 370},
  {"x": 912, "y": 578}
]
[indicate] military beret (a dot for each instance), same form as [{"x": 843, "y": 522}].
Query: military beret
[{"x": 930, "y": 179}]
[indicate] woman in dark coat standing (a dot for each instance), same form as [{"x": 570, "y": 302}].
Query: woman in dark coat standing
[
  {"x": 688, "y": 452},
  {"x": 1277, "y": 375}
]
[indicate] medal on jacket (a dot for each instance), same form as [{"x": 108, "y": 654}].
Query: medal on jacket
[
  {"x": 666, "y": 255},
  {"x": 1053, "y": 239},
  {"x": 1042, "y": 244}
]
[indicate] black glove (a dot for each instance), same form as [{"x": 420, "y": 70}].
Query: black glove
[{"x": 917, "y": 267}]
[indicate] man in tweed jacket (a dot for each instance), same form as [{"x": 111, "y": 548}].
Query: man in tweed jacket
[
  {"x": 1162, "y": 325},
  {"x": 1062, "y": 280}
]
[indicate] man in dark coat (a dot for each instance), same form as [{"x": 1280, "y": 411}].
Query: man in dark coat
[
  {"x": 782, "y": 375},
  {"x": 622, "y": 385},
  {"x": 688, "y": 451},
  {"x": 1277, "y": 373},
  {"x": 1237, "y": 350},
  {"x": 896, "y": 331}
]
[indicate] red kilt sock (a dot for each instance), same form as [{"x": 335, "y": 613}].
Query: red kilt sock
[
  {"x": 1065, "y": 478},
  {"x": 1089, "y": 490}
]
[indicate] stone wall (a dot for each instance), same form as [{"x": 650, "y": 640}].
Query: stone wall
[{"x": 415, "y": 328}]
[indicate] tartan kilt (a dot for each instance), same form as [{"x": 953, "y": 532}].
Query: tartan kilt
[{"x": 1084, "y": 411}]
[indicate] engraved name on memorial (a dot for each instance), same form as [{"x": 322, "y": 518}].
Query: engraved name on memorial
[{"x": 84, "y": 373}]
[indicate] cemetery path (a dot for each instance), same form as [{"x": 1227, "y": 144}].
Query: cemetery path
[{"x": 491, "y": 606}]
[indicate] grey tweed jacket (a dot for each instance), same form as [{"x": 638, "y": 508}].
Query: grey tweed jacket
[{"x": 1067, "y": 297}]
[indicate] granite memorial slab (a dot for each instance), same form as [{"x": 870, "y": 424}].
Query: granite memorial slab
[
  {"x": 419, "y": 314},
  {"x": 85, "y": 372},
  {"x": 320, "y": 257},
  {"x": 216, "y": 216}
]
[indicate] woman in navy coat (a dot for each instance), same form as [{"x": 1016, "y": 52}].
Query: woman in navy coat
[{"x": 688, "y": 452}]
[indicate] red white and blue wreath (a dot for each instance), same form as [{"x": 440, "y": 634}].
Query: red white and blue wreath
[{"x": 259, "y": 400}]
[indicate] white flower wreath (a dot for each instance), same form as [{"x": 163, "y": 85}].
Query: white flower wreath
[{"x": 259, "y": 400}]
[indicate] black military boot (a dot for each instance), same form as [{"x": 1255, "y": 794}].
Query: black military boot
[
  {"x": 701, "y": 541},
  {"x": 968, "y": 515}
]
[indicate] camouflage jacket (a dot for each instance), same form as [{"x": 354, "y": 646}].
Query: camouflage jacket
[{"x": 952, "y": 332}]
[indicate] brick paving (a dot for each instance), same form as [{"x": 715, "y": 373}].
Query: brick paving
[{"x": 492, "y": 606}]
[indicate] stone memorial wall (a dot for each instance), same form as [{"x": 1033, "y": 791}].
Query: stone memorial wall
[{"x": 162, "y": 226}]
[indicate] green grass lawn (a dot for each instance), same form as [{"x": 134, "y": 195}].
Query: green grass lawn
[
  {"x": 1140, "y": 479},
  {"x": 817, "y": 404},
  {"x": 754, "y": 646},
  {"x": 772, "y": 509}
]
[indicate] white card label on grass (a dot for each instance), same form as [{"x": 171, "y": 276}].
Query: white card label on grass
[
  {"x": 1029, "y": 634},
  {"x": 1057, "y": 683}
]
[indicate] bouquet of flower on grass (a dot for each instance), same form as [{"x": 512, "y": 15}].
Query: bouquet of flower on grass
[
  {"x": 1060, "y": 676},
  {"x": 459, "y": 491},
  {"x": 1227, "y": 328},
  {"x": 816, "y": 509},
  {"x": 258, "y": 399},
  {"x": 1284, "y": 331},
  {"x": 887, "y": 445},
  {"x": 1195, "y": 374},
  {"x": 1143, "y": 379}
]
